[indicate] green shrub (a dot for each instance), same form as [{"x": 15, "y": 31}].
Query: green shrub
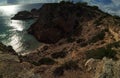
[
  {"x": 117, "y": 17},
  {"x": 70, "y": 65},
  {"x": 57, "y": 55},
  {"x": 95, "y": 7},
  {"x": 70, "y": 39},
  {"x": 46, "y": 61},
  {"x": 99, "y": 36},
  {"x": 80, "y": 40},
  {"x": 101, "y": 52},
  {"x": 1, "y": 76},
  {"x": 115, "y": 44},
  {"x": 83, "y": 44},
  {"x": 35, "y": 63},
  {"x": 59, "y": 71},
  {"x": 81, "y": 3},
  {"x": 99, "y": 20},
  {"x": 66, "y": 2}
]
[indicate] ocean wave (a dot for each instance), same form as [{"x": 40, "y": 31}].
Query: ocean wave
[{"x": 2, "y": 35}]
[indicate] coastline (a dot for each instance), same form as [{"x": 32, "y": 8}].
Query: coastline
[{"x": 83, "y": 43}]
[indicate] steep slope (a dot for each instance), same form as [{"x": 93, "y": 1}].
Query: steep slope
[
  {"x": 78, "y": 39},
  {"x": 11, "y": 67},
  {"x": 62, "y": 20}
]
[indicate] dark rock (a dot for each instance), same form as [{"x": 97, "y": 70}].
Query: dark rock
[
  {"x": 58, "y": 21},
  {"x": 23, "y": 15},
  {"x": 7, "y": 49},
  {"x": 35, "y": 13}
]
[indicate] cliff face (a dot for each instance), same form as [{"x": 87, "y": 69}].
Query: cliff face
[
  {"x": 80, "y": 42},
  {"x": 63, "y": 20},
  {"x": 11, "y": 67}
]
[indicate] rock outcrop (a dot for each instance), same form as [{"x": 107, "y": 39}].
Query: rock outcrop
[
  {"x": 59, "y": 21},
  {"x": 7, "y": 49},
  {"x": 23, "y": 15},
  {"x": 12, "y": 67}
]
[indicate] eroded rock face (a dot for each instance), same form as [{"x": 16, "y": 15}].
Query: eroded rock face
[
  {"x": 7, "y": 49},
  {"x": 12, "y": 67},
  {"x": 51, "y": 37},
  {"x": 59, "y": 21},
  {"x": 107, "y": 69}
]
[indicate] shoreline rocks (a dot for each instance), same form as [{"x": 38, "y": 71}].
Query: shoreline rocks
[
  {"x": 23, "y": 15},
  {"x": 12, "y": 67}
]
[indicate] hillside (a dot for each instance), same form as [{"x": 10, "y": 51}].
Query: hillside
[
  {"x": 11, "y": 66},
  {"x": 79, "y": 41}
]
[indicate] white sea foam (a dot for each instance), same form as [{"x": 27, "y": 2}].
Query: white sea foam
[{"x": 2, "y": 35}]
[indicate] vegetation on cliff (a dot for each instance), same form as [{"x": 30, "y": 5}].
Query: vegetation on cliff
[
  {"x": 81, "y": 41},
  {"x": 77, "y": 32}
]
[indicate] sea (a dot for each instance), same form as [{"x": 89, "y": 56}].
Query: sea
[{"x": 14, "y": 32}]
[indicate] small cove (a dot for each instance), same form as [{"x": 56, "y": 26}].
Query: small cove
[{"x": 14, "y": 32}]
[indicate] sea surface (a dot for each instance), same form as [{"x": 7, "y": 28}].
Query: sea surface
[{"x": 13, "y": 32}]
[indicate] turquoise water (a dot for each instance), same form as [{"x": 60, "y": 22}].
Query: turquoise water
[{"x": 13, "y": 32}]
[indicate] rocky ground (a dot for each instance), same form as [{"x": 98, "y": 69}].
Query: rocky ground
[
  {"x": 12, "y": 67},
  {"x": 80, "y": 41}
]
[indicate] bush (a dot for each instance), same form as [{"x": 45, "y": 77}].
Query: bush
[
  {"x": 115, "y": 44},
  {"x": 70, "y": 65},
  {"x": 61, "y": 54},
  {"x": 116, "y": 17},
  {"x": 95, "y": 7},
  {"x": 80, "y": 40},
  {"x": 59, "y": 71},
  {"x": 81, "y": 3},
  {"x": 1, "y": 76},
  {"x": 66, "y": 2},
  {"x": 101, "y": 52},
  {"x": 70, "y": 39},
  {"x": 99, "y": 20},
  {"x": 99, "y": 36},
  {"x": 46, "y": 61}
]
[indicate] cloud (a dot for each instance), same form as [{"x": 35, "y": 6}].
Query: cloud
[
  {"x": 12, "y": 1},
  {"x": 110, "y": 6},
  {"x": 32, "y": 1},
  {"x": 116, "y": 2},
  {"x": 3, "y": 2}
]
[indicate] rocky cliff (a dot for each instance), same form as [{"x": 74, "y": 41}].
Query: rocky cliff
[
  {"x": 12, "y": 67},
  {"x": 80, "y": 41},
  {"x": 59, "y": 21}
]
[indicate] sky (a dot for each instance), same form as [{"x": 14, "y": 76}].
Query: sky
[{"x": 110, "y": 6}]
